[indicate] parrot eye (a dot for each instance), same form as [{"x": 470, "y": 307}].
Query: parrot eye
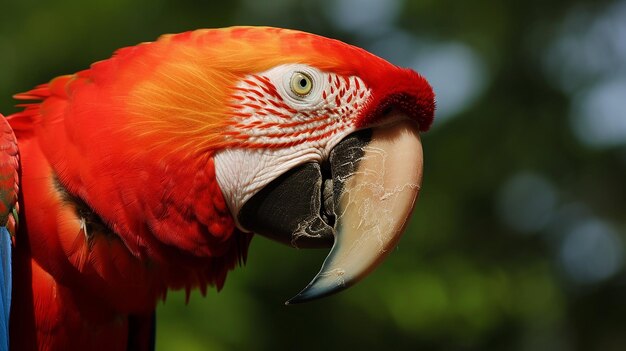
[{"x": 301, "y": 84}]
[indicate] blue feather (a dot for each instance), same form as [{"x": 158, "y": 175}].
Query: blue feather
[{"x": 5, "y": 287}]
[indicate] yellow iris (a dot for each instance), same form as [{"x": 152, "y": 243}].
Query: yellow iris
[{"x": 301, "y": 83}]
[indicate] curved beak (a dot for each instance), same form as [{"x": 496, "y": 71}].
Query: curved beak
[{"x": 360, "y": 205}]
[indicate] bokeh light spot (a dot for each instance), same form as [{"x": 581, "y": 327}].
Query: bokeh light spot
[
  {"x": 598, "y": 115},
  {"x": 364, "y": 16},
  {"x": 456, "y": 72},
  {"x": 592, "y": 252}
]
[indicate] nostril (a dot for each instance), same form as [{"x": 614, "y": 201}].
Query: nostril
[{"x": 387, "y": 110}]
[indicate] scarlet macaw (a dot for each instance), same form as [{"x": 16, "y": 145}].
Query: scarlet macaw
[{"x": 150, "y": 170}]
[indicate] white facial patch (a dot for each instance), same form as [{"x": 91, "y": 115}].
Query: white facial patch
[{"x": 276, "y": 129}]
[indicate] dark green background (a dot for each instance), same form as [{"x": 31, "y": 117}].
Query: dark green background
[{"x": 517, "y": 239}]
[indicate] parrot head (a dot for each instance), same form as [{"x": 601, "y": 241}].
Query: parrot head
[{"x": 197, "y": 139}]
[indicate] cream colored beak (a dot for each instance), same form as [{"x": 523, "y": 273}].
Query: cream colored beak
[{"x": 375, "y": 185}]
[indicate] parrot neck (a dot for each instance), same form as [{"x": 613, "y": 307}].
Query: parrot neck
[
  {"x": 99, "y": 245},
  {"x": 129, "y": 237},
  {"x": 173, "y": 217}
]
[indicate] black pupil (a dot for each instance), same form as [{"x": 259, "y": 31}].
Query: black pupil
[{"x": 303, "y": 83}]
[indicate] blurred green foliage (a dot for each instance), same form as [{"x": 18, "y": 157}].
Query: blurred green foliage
[{"x": 465, "y": 276}]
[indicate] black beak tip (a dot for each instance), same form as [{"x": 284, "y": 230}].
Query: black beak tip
[
  {"x": 302, "y": 297},
  {"x": 317, "y": 289}
]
